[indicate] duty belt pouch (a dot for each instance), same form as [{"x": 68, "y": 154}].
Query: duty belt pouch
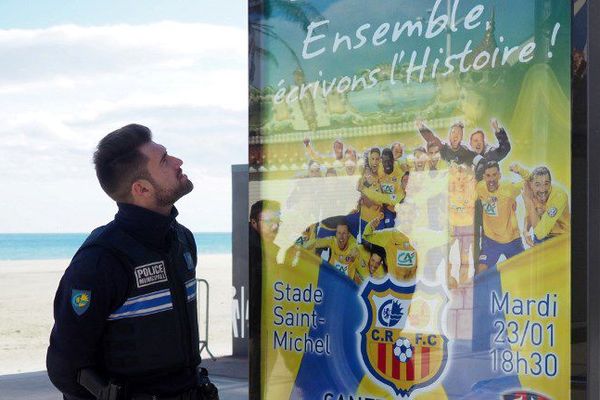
[{"x": 206, "y": 389}]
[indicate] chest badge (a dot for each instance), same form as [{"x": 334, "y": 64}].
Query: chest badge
[
  {"x": 149, "y": 274},
  {"x": 80, "y": 300}
]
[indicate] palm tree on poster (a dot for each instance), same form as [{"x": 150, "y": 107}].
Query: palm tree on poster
[{"x": 296, "y": 11}]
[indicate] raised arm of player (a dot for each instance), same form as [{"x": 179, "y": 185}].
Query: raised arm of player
[
  {"x": 378, "y": 238},
  {"x": 381, "y": 198},
  {"x": 519, "y": 170},
  {"x": 428, "y": 134},
  {"x": 503, "y": 148},
  {"x": 311, "y": 152}
]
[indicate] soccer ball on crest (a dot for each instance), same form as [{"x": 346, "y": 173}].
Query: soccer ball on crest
[{"x": 403, "y": 350}]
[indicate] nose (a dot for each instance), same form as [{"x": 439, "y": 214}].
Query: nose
[{"x": 178, "y": 161}]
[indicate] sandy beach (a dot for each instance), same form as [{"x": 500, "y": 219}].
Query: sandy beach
[{"x": 27, "y": 289}]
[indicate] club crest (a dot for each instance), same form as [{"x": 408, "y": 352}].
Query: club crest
[{"x": 401, "y": 342}]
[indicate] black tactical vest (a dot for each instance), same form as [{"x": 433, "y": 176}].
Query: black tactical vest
[{"x": 155, "y": 331}]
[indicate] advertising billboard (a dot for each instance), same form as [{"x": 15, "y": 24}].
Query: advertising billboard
[{"x": 409, "y": 198}]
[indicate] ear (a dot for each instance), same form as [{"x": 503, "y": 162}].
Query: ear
[{"x": 141, "y": 188}]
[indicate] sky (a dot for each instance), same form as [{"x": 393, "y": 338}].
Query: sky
[{"x": 71, "y": 74}]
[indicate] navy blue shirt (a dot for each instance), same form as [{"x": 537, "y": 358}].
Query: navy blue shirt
[{"x": 76, "y": 338}]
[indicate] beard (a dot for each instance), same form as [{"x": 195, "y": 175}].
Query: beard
[{"x": 168, "y": 197}]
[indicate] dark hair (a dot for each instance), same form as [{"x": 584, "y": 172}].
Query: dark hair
[
  {"x": 540, "y": 171},
  {"x": 458, "y": 124},
  {"x": 491, "y": 164},
  {"x": 420, "y": 149},
  {"x": 342, "y": 221},
  {"x": 375, "y": 150},
  {"x": 263, "y": 205},
  {"x": 119, "y": 162},
  {"x": 476, "y": 132},
  {"x": 380, "y": 251},
  {"x": 432, "y": 144},
  {"x": 387, "y": 152}
]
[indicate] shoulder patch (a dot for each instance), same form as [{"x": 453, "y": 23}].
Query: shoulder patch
[
  {"x": 552, "y": 212},
  {"x": 80, "y": 300},
  {"x": 189, "y": 262}
]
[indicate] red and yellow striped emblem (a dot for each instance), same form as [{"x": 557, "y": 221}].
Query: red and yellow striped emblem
[{"x": 394, "y": 352}]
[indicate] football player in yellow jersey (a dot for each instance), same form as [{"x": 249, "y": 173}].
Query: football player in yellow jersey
[
  {"x": 397, "y": 150},
  {"x": 371, "y": 264},
  {"x": 399, "y": 159},
  {"x": 349, "y": 168},
  {"x": 500, "y": 227},
  {"x": 344, "y": 255},
  {"x": 369, "y": 180},
  {"x": 461, "y": 208},
  {"x": 370, "y": 172},
  {"x": 419, "y": 159},
  {"x": 434, "y": 159},
  {"x": 390, "y": 191},
  {"x": 550, "y": 215},
  {"x": 401, "y": 256}
]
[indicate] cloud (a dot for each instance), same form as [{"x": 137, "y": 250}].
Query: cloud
[
  {"x": 71, "y": 51},
  {"x": 65, "y": 87}
]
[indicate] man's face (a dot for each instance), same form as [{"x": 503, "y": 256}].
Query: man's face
[
  {"x": 350, "y": 155},
  {"x": 456, "y": 135},
  {"x": 420, "y": 160},
  {"x": 388, "y": 163},
  {"x": 350, "y": 168},
  {"x": 477, "y": 143},
  {"x": 167, "y": 178},
  {"x": 541, "y": 186},
  {"x": 338, "y": 149},
  {"x": 268, "y": 225},
  {"x": 341, "y": 235},
  {"x": 374, "y": 262},
  {"x": 374, "y": 161},
  {"x": 491, "y": 177},
  {"x": 434, "y": 155},
  {"x": 397, "y": 151},
  {"x": 314, "y": 170}
]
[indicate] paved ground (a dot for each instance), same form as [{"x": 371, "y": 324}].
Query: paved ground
[{"x": 228, "y": 373}]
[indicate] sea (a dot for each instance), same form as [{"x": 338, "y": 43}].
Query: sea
[{"x": 49, "y": 246}]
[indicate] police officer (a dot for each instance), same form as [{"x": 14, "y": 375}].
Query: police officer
[{"x": 125, "y": 310}]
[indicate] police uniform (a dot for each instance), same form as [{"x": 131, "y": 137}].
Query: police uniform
[{"x": 126, "y": 307}]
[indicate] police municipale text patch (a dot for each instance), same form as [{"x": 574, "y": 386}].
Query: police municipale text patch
[{"x": 149, "y": 274}]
